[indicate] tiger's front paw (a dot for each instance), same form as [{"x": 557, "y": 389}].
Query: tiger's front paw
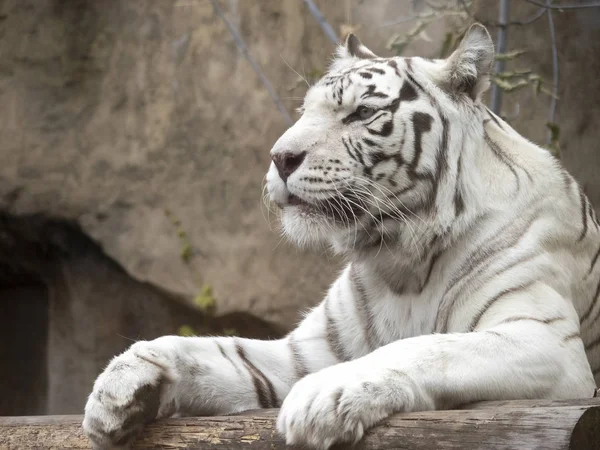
[
  {"x": 335, "y": 405},
  {"x": 125, "y": 397}
]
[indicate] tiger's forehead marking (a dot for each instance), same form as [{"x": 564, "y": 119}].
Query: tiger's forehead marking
[
  {"x": 365, "y": 69},
  {"x": 374, "y": 80}
]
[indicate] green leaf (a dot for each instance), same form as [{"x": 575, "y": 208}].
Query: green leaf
[
  {"x": 509, "y": 55},
  {"x": 230, "y": 332},
  {"x": 205, "y": 301},
  {"x": 507, "y": 86},
  {"x": 554, "y": 146},
  {"x": 186, "y": 330},
  {"x": 446, "y": 45},
  {"x": 186, "y": 252},
  {"x": 554, "y": 131},
  {"x": 513, "y": 74}
]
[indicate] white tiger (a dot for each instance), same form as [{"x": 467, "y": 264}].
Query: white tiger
[{"x": 472, "y": 268}]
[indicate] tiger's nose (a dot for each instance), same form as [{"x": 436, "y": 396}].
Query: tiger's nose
[{"x": 287, "y": 163}]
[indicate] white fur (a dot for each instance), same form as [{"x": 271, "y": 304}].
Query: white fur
[{"x": 514, "y": 252}]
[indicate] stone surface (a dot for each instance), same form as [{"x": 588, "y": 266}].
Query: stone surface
[
  {"x": 140, "y": 125},
  {"x": 67, "y": 309},
  {"x": 141, "y": 120},
  {"x": 118, "y": 113}
]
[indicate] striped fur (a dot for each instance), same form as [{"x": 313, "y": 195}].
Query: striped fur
[{"x": 473, "y": 267}]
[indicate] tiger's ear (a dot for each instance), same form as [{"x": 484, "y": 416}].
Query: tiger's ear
[
  {"x": 468, "y": 69},
  {"x": 353, "y": 48}
]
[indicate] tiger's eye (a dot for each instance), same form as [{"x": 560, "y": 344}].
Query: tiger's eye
[{"x": 364, "y": 112}]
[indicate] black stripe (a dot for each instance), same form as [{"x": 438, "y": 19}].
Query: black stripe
[
  {"x": 371, "y": 92},
  {"x": 404, "y": 190},
  {"x": 477, "y": 318},
  {"x": 267, "y": 398},
  {"x": 299, "y": 363},
  {"x": 421, "y": 124},
  {"x": 222, "y": 350},
  {"x": 572, "y": 336},
  {"x": 394, "y": 65},
  {"x": 379, "y": 157},
  {"x": 333, "y": 337},
  {"x": 366, "y": 75},
  {"x": 592, "y": 213},
  {"x": 567, "y": 179},
  {"x": 371, "y": 143},
  {"x": 592, "y": 305},
  {"x": 376, "y": 117},
  {"x": 348, "y": 150},
  {"x": 441, "y": 163},
  {"x": 432, "y": 262},
  {"x": 375, "y": 70},
  {"x": 535, "y": 319},
  {"x": 408, "y": 93},
  {"x": 416, "y": 83},
  {"x": 386, "y": 129},
  {"x": 502, "y": 157},
  {"x": 477, "y": 262},
  {"x": 361, "y": 301},
  {"x": 357, "y": 151},
  {"x": 493, "y": 117},
  {"x": 459, "y": 204},
  {"x": 583, "y": 201},
  {"x": 488, "y": 250},
  {"x": 594, "y": 261}
]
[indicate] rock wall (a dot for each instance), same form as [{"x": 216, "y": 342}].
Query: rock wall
[
  {"x": 141, "y": 120},
  {"x": 140, "y": 128},
  {"x": 135, "y": 137},
  {"x": 67, "y": 309},
  {"x": 143, "y": 123}
]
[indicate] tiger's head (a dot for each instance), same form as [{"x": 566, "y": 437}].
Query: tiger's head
[{"x": 378, "y": 143}]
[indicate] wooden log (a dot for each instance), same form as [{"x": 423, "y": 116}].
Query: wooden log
[{"x": 534, "y": 424}]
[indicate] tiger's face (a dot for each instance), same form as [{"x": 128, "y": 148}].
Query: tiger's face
[{"x": 366, "y": 151}]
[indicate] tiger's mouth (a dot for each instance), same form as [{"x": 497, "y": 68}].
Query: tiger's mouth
[
  {"x": 297, "y": 201},
  {"x": 343, "y": 208},
  {"x": 303, "y": 205}
]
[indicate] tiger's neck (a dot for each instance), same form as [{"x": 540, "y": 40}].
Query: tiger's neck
[{"x": 485, "y": 178}]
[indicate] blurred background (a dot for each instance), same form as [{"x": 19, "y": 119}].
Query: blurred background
[{"x": 135, "y": 135}]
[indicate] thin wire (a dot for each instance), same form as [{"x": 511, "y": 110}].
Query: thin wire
[
  {"x": 244, "y": 49},
  {"x": 572, "y": 6},
  {"x": 532, "y": 19},
  {"x": 327, "y": 29},
  {"x": 501, "y": 43},
  {"x": 554, "y": 71}
]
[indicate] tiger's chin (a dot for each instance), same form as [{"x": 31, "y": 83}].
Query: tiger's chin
[{"x": 307, "y": 227}]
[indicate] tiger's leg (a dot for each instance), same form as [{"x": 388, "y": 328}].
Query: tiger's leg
[
  {"x": 524, "y": 358},
  {"x": 176, "y": 376}
]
